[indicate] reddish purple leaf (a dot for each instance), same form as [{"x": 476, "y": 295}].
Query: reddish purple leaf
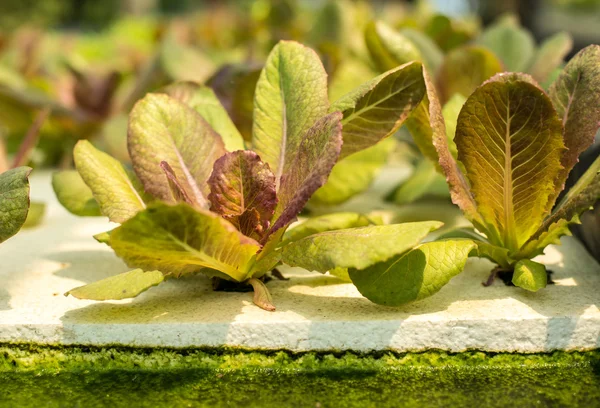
[
  {"x": 318, "y": 151},
  {"x": 242, "y": 190}
]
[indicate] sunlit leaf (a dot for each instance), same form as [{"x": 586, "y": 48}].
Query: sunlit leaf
[
  {"x": 163, "y": 129},
  {"x": 122, "y": 286},
  {"x": 114, "y": 188},
  {"x": 414, "y": 275},
  {"x": 377, "y": 108},
  {"x": 179, "y": 239},
  {"x": 355, "y": 247},
  {"x": 291, "y": 94},
  {"x": 509, "y": 139},
  {"x": 530, "y": 275}
]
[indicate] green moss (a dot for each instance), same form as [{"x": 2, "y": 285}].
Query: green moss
[{"x": 77, "y": 376}]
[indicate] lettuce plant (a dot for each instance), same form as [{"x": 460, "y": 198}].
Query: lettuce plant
[
  {"x": 515, "y": 146},
  {"x": 199, "y": 201}
]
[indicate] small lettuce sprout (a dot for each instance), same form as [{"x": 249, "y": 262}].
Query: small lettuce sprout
[
  {"x": 199, "y": 201},
  {"x": 515, "y": 148}
]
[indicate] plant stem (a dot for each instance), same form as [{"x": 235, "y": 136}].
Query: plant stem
[
  {"x": 262, "y": 297},
  {"x": 31, "y": 138}
]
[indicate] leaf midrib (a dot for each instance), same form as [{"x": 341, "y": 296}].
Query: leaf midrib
[{"x": 509, "y": 220}]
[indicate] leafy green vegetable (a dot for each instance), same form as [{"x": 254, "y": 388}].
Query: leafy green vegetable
[
  {"x": 225, "y": 214},
  {"x": 511, "y": 140},
  {"x": 511, "y": 161},
  {"x": 14, "y": 201},
  {"x": 412, "y": 275},
  {"x": 122, "y": 286}
]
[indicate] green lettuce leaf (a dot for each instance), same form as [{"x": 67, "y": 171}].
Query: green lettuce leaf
[
  {"x": 114, "y": 188},
  {"x": 514, "y": 45},
  {"x": 353, "y": 174},
  {"x": 14, "y": 201},
  {"x": 328, "y": 222},
  {"x": 204, "y": 101},
  {"x": 72, "y": 192},
  {"x": 509, "y": 139},
  {"x": 242, "y": 190},
  {"x": 576, "y": 97},
  {"x": 414, "y": 275},
  {"x": 163, "y": 129},
  {"x": 291, "y": 94},
  {"x": 180, "y": 239},
  {"x": 317, "y": 153},
  {"x": 550, "y": 56},
  {"x": 464, "y": 69},
  {"x": 121, "y": 286},
  {"x": 530, "y": 275},
  {"x": 355, "y": 247},
  {"x": 377, "y": 108},
  {"x": 389, "y": 48}
]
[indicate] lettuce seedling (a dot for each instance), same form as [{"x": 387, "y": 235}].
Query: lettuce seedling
[
  {"x": 515, "y": 148},
  {"x": 198, "y": 201}
]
